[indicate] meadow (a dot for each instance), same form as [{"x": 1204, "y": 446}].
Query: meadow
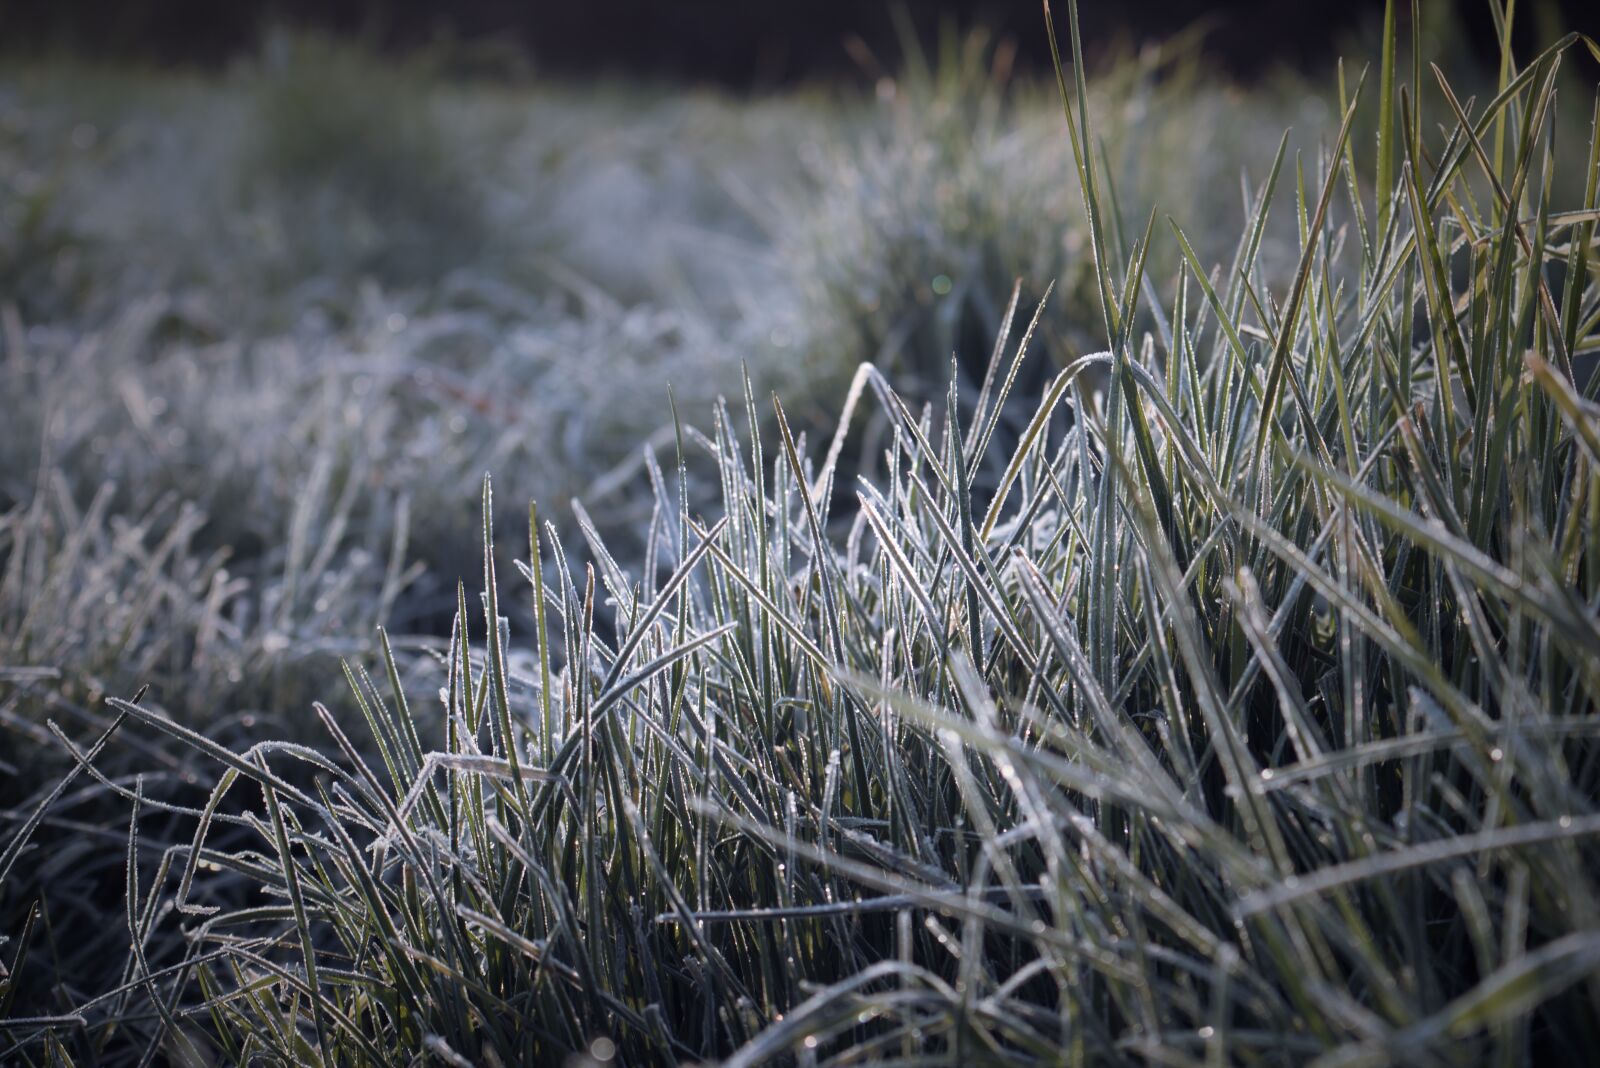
[{"x": 984, "y": 570}]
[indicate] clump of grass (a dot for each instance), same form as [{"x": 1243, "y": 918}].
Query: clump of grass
[
  {"x": 958, "y": 184},
  {"x": 41, "y": 251},
  {"x": 925, "y": 215},
  {"x": 1250, "y": 718},
  {"x": 352, "y": 169}
]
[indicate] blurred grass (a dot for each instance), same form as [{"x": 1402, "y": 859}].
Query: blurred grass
[{"x": 366, "y": 177}]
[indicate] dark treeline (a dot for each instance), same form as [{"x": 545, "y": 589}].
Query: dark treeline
[{"x": 737, "y": 43}]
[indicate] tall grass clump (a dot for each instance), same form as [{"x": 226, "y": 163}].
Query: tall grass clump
[
  {"x": 41, "y": 250},
  {"x": 1249, "y": 719},
  {"x": 352, "y": 169},
  {"x": 948, "y": 190}
]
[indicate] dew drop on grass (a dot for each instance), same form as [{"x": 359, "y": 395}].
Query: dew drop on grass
[
  {"x": 811, "y": 1042},
  {"x": 1208, "y": 1032}
]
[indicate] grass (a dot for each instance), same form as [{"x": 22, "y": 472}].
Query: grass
[
  {"x": 1236, "y": 705},
  {"x": 926, "y": 219},
  {"x": 352, "y": 155}
]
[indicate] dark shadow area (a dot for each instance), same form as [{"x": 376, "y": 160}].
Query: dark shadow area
[{"x": 726, "y": 42}]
